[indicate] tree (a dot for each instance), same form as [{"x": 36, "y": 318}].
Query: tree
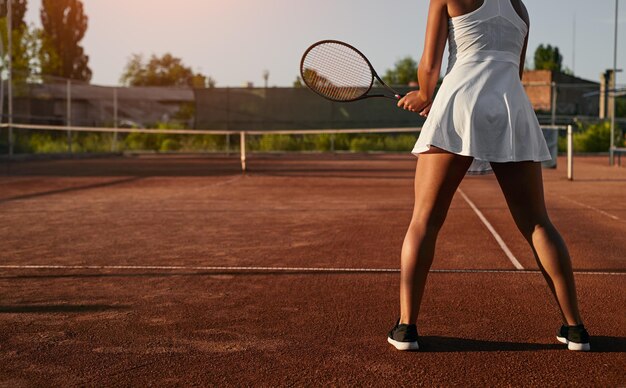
[
  {"x": 403, "y": 73},
  {"x": 64, "y": 24},
  {"x": 25, "y": 42},
  {"x": 298, "y": 83},
  {"x": 18, "y": 10},
  {"x": 167, "y": 70},
  {"x": 548, "y": 58}
]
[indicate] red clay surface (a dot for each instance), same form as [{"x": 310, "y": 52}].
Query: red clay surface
[{"x": 250, "y": 327}]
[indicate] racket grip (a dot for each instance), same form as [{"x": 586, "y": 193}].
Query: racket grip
[{"x": 399, "y": 96}]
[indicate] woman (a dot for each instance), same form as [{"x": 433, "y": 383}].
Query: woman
[{"x": 481, "y": 121}]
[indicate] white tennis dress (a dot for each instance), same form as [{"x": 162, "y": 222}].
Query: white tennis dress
[{"x": 481, "y": 108}]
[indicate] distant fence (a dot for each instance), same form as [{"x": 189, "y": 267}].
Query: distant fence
[
  {"x": 69, "y": 102},
  {"x": 286, "y": 108}
]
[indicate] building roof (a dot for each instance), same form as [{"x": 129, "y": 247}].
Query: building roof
[
  {"x": 532, "y": 76},
  {"x": 93, "y": 92}
]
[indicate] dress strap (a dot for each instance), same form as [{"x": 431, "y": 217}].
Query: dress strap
[{"x": 508, "y": 12}]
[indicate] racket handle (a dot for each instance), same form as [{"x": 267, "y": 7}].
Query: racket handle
[{"x": 399, "y": 96}]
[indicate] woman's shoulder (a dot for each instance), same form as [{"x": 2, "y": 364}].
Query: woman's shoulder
[
  {"x": 521, "y": 10},
  {"x": 461, "y": 7}
]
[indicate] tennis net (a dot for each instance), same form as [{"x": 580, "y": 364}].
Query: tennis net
[
  {"x": 44, "y": 139},
  {"x": 50, "y": 139}
]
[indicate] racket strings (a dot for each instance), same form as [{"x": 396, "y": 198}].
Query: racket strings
[
  {"x": 340, "y": 73},
  {"x": 337, "y": 71}
]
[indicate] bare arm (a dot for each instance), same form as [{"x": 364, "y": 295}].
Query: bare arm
[
  {"x": 523, "y": 58},
  {"x": 430, "y": 64},
  {"x": 436, "y": 35},
  {"x": 524, "y": 15}
]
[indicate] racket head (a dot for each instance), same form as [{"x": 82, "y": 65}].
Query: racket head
[{"x": 337, "y": 71}]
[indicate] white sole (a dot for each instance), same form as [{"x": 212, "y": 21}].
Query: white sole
[
  {"x": 574, "y": 345},
  {"x": 403, "y": 345},
  {"x": 578, "y": 347}
]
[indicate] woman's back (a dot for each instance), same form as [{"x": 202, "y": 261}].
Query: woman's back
[
  {"x": 493, "y": 31},
  {"x": 457, "y": 8}
]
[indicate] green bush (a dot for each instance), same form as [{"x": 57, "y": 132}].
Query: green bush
[
  {"x": 322, "y": 142},
  {"x": 142, "y": 142},
  {"x": 367, "y": 143},
  {"x": 93, "y": 142},
  {"x": 169, "y": 144},
  {"x": 594, "y": 137},
  {"x": 327, "y": 142},
  {"x": 271, "y": 142},
  {"x": 204, "y": 143},
  {"x": 400, "y": 143},
  {"x": 330, "y": 141},
  {"x": 562, "y": 143},
  {"x": 42, "y": 142}
]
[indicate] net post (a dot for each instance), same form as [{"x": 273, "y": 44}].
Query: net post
[
  {"x": 553, "y": 104},
  {"x": 10, "y": 76},
  {"x": 68, "y": 113},
  {"x": 228, "y": 121},
  {"x": 115, "y": 120},
  {"x": 570, "y": 153},
  {"x": 242, "y": 136}
]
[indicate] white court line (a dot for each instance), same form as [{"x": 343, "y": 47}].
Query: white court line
[
  {"x": 495, "y": 234},
  {"x": 279, "y": 269},
  {"x": 592, "y": 208}
]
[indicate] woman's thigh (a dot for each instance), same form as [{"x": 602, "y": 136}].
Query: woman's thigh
[
  {"x": 522, "y": 186},
  {"x": 437, "y": 175}
]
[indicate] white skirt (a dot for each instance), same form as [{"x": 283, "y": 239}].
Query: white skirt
[{"x": 482, "y": 110}]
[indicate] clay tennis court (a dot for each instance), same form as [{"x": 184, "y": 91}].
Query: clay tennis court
[{"x": 179, "y": 270}]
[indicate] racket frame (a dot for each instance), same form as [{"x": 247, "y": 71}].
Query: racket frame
[{"x": 396, "y": 95}]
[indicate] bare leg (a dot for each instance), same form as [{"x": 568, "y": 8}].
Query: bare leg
[
  {"x": 522, "y": 185},
  {"x": 437, "y": 176}
]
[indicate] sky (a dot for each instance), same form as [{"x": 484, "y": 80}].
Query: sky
[{"x": 234, "y": 41}]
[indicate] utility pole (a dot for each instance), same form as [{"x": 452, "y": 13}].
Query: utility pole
[
  {"x": 266, "y": 76},
  {"x": 607, "y": 81},
  {"x": 68, "y": 113},
  {"x": 574, "y": 46},
  {"x": 10, "y": 75},
  {"x": 613, "y": 92}
]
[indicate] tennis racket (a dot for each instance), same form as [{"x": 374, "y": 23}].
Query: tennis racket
[{"x": 339, "y": 72}]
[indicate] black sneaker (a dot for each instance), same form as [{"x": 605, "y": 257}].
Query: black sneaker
[
  {"x": 403, "y": 336},
  {"x": 576, "y": 337}
]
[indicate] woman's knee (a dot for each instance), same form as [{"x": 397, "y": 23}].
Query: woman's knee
[
  {"x": 529, "y": 227},
  {"x": 428, "y": 224},
  {"x": 528, "y": 217}
]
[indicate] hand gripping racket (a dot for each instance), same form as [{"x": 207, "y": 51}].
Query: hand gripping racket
[{"x": 339, "y": 72}]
